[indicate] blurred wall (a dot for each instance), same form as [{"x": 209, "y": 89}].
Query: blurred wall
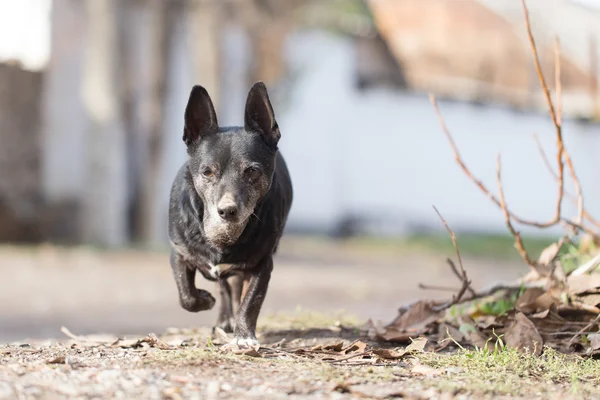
[{"x": 381, "y": 155}]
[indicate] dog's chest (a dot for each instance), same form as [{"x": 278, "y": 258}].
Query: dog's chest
[{"x": 216, "y": 270}]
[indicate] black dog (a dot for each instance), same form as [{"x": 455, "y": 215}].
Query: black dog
[{"x": 228, "y": 208}]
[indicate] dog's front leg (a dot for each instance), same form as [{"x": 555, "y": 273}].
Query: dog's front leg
[
  {"x": 190, "y": 298},
  {"x": 254, "y": 295}
]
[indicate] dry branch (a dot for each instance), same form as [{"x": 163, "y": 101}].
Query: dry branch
[
  {"x": 586, "y": 328},
  {"x": 435, "y": 287},
  {"x": 462, "y": 274},
  {"x": 507, "y": 218},
  {"x": 562, "y": 157},
  {"x": 556, "y": 116},
  {"x": 480, "y": 184}
]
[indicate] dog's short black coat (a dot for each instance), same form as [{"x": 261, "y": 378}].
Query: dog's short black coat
[{"x": 228, "y": 207}]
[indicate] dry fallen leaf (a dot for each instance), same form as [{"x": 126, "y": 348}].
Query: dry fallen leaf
[
  {"x": 583, "y": 283},
  {"x": 337, "y": 347},
  {"x": 388, "y": 354},
  {"x": 549, "y": 254},
  {"x": 535, "y": 300},
  {"x": 411, "y": 323},
  {"x": 417, "y": 345},
  {"x": 251, "y": 352},
  {"x": 57, "y": 360},
  {"x": 590, "y": 299},
  {"x": 152, "y": 340},
  {"x": 341, "y": 387},
  {"x": 416, "y": 317},
  {"x": 220, "y": 336},
  {"x": 126, "y": 343},
  {"x": 355, "y": 347},
  {"x": 522, "y": 335},
  {"x": 149, "y": 341},
  {"x": 541, "y": 315},
  {"x": 396, "y": 336}
]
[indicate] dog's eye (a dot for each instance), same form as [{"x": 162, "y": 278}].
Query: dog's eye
[
  {"x": 207, "y": 172},
  {"x": 252, "y": 173}
]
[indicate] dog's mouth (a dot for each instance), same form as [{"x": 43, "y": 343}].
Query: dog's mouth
[{"x": 223, "y": 234}]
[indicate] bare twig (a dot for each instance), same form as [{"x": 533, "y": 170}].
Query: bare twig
[
  {"x": 457, "y": 156},
  {"x": 556, "y": 116},
  {"x": 454, "y": 243},
  {"x": 440, "y": 288},
  {"x": 538, "y": 69},
  {"x": 462, "y": 275},
  {"x": 585, "y": 328},
  {"x": 459, "y": 275},
  {"x": 518, "y": 240},
  {"x": 545, "y": 159},
  {"x": 482, "y": 187},
  {"x": 587, "y": 266},
  {"x": 557, "y": 81},
  {"x": 73, "y": 336},
  {"x": 337, "y": 360},
  {"x": 487, "y": 192}
]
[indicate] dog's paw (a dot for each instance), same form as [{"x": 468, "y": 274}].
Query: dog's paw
[
  {"x": 202, "y": 301},
  {"x": 246, "y": 343},
  {"x": 207, "y": 298},
  {"x": 237, "y": 345}
]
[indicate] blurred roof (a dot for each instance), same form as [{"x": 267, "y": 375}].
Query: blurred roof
[{"x": 478, "y": 49}]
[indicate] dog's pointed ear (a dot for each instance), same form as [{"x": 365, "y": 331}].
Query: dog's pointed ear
[
  {"x": 259, "y": 116},
  {"x": 200, "y": 116}
]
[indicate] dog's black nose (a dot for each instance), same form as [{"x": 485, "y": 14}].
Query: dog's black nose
[{"x": 228, "y": 212}]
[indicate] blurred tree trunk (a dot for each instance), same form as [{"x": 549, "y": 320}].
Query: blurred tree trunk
[
  {"x": 267, "y": 38},
  {"x": 130, "y": 32},
  {"x": 267, "y": 23},
  {"x": 64, "y": 122},
  {"x": 105, "y": 195},
  {"x": 206, "y": 20},
  {"x": 147, "y": 224}
]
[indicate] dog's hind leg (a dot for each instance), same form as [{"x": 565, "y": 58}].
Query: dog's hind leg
[
  {"x": 225, "y": 320},
  {"x": 231, "y": 290},
  {"x": 236, "y": 282},
  {"x": 190, "y": 298}
]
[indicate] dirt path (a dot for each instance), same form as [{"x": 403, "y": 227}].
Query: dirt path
[{"x": 42, "y": 289}]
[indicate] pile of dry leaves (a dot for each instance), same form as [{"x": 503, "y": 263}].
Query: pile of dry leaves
[{"x": 560, "y": 313}]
